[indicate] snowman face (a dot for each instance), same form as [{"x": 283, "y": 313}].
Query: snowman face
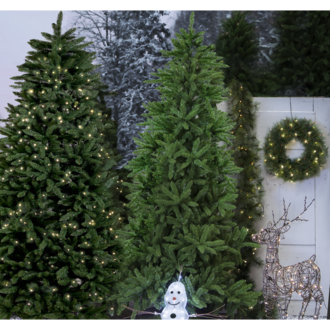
[{"x": 175, "y": 302}]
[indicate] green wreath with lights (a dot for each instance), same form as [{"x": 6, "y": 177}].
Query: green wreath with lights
[{"x": 297, "y": 169}]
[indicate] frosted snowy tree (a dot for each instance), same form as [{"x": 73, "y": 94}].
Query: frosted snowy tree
[
  {"x": 107, "y": 30},
  {"x": 128, "y": 45},
  {"x": 205, "y": 20}
]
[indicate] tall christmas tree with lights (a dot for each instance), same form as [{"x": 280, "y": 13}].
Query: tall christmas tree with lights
[
  {"x": 183, "y": 194},
  {"x": 58, "y": 249},
  {"x": 237, "y": 43}
]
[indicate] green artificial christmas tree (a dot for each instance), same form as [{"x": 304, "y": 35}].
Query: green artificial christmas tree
[
  {"x": 58, "y": 250},
  {"x": 183, "y": 194}
]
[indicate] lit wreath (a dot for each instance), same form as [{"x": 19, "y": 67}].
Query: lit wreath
[{"x": 297, "y": 169}]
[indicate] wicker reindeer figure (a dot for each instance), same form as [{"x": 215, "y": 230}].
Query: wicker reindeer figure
[{"x": 280, "y": 282}]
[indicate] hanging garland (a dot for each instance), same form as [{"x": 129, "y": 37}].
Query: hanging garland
[{"x": 297, "y": 169}]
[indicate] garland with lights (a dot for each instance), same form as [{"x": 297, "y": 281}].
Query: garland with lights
[
  {"x": 297, "y": 169},
  {"x": 248, "y": 205}
]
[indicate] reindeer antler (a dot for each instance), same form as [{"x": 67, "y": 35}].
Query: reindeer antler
[
  {"x": 285, "y": 214},
  {"x": 284, "y": 217}
]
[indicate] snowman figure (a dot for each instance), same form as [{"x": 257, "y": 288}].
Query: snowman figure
[{"x": 175, "y": 303}]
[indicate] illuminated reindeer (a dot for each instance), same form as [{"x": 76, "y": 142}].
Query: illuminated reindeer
[{"x": 279, "y": 282}]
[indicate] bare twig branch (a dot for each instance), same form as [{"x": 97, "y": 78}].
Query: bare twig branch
[{"x": 208, "y": 315}]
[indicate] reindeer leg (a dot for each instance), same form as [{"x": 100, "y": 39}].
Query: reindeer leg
[
  {"x": 282, "y": 305},
  {"x": 318, "y": 296},
  {"x": 269, "y": 306},
  {"x": 317, "y": 309},
  {"x": 303, "y": 308},
  {"x": 268, "y": 299}
]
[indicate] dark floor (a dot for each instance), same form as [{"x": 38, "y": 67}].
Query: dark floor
[{"x": 126, "y": 316}]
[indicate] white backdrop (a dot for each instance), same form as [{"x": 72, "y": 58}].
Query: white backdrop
[{"x": 304, "y": 238}]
